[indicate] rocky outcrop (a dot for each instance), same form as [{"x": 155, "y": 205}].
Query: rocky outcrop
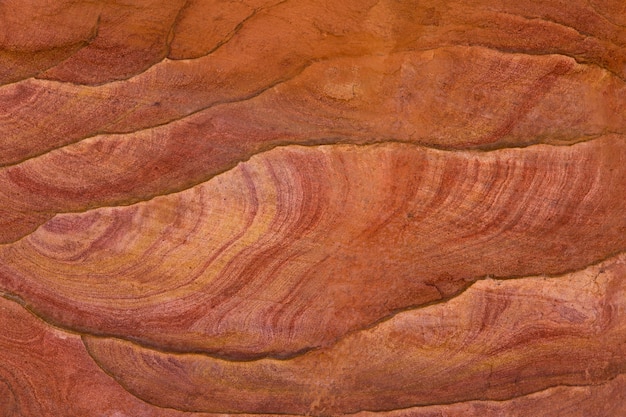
[{"x": 313, "y": 208}]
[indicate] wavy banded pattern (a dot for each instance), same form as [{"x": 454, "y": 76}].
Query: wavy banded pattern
[
  {"x": 268, "y": 258},
  {"x": 488, "y": 341},
  {"x": 377, "y": 208}
]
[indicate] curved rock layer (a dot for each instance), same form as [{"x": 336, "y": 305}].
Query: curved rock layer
[
  {"x": 35, "y": 380},
  {"x": 548, "y": 100},
  {"x": 289, "y": 251},
  {"x": 496, "y": 341},
  {"x": 95, "y": 43},
  {"x": 285, "y": 38},
  {"x": 46, "y": 372},
  {"x": 312, "y": 208},
  {"x": 352, "y": 99}
]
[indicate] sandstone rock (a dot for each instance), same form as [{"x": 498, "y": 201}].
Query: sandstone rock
[{"x": 383, "y": 208}]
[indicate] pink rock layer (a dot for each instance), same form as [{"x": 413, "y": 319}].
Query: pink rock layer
[{"x": 312, "y": 208}]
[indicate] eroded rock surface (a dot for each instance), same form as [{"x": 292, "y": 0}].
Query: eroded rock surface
[{"x": 389, "y": 208}]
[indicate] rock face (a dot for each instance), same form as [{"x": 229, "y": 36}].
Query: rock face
[{"x": 382, "y": 208}]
